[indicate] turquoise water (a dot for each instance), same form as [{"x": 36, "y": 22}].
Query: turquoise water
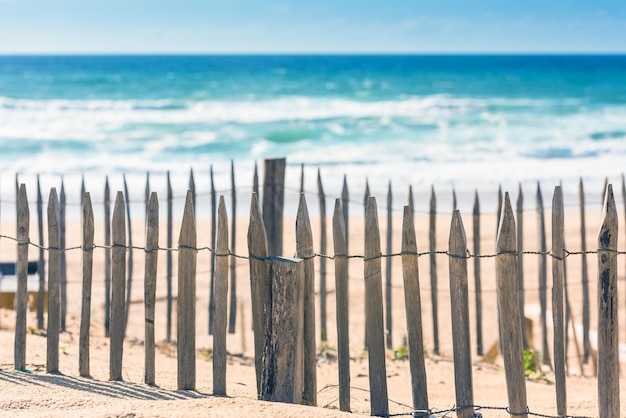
[{"x": 421, "y": 120}]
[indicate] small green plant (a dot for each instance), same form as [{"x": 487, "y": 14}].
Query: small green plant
[
  {"x": 205, "y": 354},
  {"x": 402, "y": 352},
  {"x": 532, "y": 366}
]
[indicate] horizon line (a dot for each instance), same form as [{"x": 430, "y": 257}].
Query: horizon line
[{"x": 320, "y": 53}]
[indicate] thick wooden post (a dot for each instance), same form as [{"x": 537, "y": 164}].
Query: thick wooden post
[
  {"x": 520, "y": 260},
  {"x": 477, "y": 281},
  {"x": 170, "y": 199},
  {"x": 342, "y": 305},
  {"x": 221, "y": 302},
  {"x": 85, "y": 318},
  {"x": 232, "y": 317},
  {"x": 118, "y": 285},
  {"x": 388, "y": 261},
  {"x": 584, "y": 273},
  {"x": 129, "y": 277},
  {"x": 543, "y": 281},
  {"x": 213, "y": 238},
  {"x": 63, "y": 263},
  {"x": 107, "y": 257},
  {"x": 608, "y": 344},
  {"x": 283, "y": 365},
  {"x": 150, "y": 283},
  {"x": 41, "y": 264},
  {"x": 273, "y": 202},
  {"x": 259, "y": 283},
  {"x": 322, "y": 202},
  {"x": 304, "y": 250},
  {"x": 413, "y": 304},
  {"x": 21, "y": 296},
  {"x": 433, "y": 266},
  {"x": 186, "y": 329},
  {"x": 374, "y": 313},
  {"x": 558, "y": 300},
  {"x": 509, "y": 313},
  {"x": 459, "y": 302},
  {"x": 54, "y": 279}
]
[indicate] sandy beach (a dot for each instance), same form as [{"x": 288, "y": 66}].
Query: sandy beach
[{"x": 36, "y": 393}]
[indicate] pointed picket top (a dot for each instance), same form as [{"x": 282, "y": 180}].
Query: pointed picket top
[
  {"x": 188, "y": 225},
  {"x": 539, "y": 196},
  {"x": 302, "y": 178},
  {"x": 345, "y": 195},
  {"x": 476, "y": 208},
  {"x": 82, "y": 188},
  {"x": 345, "y": 201},
  {"x": 339, "y": 225},
  {"x": 304, "y": 236},
  {"x": 609, "y": 218},
  {"x": 371, "y": 225},
  {"x": 87, "y": 211},
  {"x": 320, "y": 187},
  {"x": 409, "y": 243},
  {"x": 147, "y": 194},
  {"x": 604, "y": 187},
  {"x": 107, "y": 190},
  {"x": 454, "y": 204},
  {"x": 367, "y": 192},
  {"x": 623, "y": 189},
  {"x": 520, "y": 198},
  {"x": 255, "y": 180},
  {"x": 257, "y": 229},
  {"x": 457, "y": 241},
  {"x": 506, "y": 240},
  {"x": 411, "y": 200},
  {"x": 222, "y": 228}
]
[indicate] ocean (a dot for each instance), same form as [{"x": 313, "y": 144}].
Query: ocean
[{"x": 468, "y": 122}]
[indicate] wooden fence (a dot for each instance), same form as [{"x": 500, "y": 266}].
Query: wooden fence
[{"x": 282, "y": 293}]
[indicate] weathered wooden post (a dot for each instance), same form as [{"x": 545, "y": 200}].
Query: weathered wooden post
[
  {"x": 304, "y": 250},
  {"x": 107, "y": 257},
  {"x": 63, "y": 263},
  {"x": 283, "y": 360},
  {"x": 459, "y": 303},
  {"x": 584, "y": 273},
  {"x": 374, "y": 313},
  {"x": 129, "y": 277},
  {"x": 118, "y": 285},
  {"x": 259, "y": 283},
  {"x": 509, "y": 313},
  {"x": 322, "y": 288},
  {"x": 543, "y": 280},
  {"x": 213, "y": 238},
  {"x": 21, "y": 296},
  {"x": 221, "y": 301},
  {"x": 186, "y": 326},
  {"x": 388, "y": 263},
  {"x": 54, "y": 280},
  {"x": 273, "y": 202},
  {"x": 520, "y": 260},
  {"x": 558, "y": 300},
  {"x": 85, "y": 318},
  {"x": 150, "y": 283},
  {"x": 41, "y": 264},
  {"x": 342, "y": 304},
  {"x": 412, "y": 303},
  {"x": 477, "y": 281},
  {"x": 608, "y": 343},
  {"x": 232, "y": 317},
  {"x": 433, "y": 266},
  {"x": 170, "y": 199}
]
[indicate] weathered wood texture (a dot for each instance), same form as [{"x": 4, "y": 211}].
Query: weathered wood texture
[
  {"x": 459, "y": 304},
  {"x": 273, "y": 202},
  {"x": 508, "y": 311},
  {"x": 413, "y": 304},
  {"x": 63, "y": 262},
  {"x": 558, "y": 300},
  {"x": 259, "y": 283},
  {"x": 304, "y": 250},
  {"x": 433, "y": 267},
  {"x": 85, "y": 317},
  {"x": 322, "y": 289},
  {"x": 342, "y": 306},
  {"x": 477, "y": 279},
  {"x": 41, "y": 262},
  {"x": 282, "y": 378},
  {"x": 129, "y": 277},
  {"x": 54, "y": 280},
  {"x": 366, "y": 197},
  {"x": 169, "y": 261},
  {"x": 213, "y": 238},
  {"x": 107, "y": 257},
  {"x": 608, "y": 344},
  {"x": 150, "y": 284},
  {"x": 388, "y": 284},
  {"x": 374, "y": 313},
  {"x": 21, "y": 296},
  {"x": 255, "y": 180},
  {"x": 520, "y": 259},
  {"x": 186, "y": 318},
  {"x": 345, "y": 207},
  {"x": 543, "y": 274},
  {"x": 192, "y": 187},
  {"x": 232, "y": 317},
  {"x": 221, "y": 301},
  {"x": 584, "y": 274},
  {"x": 118, "y": 288}
]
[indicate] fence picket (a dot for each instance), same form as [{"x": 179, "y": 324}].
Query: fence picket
[
  {"x": 213, "y": 238},
  {"x": 186, "y": 326},
  {"x": 169, "y": 258},
  {"x": 608, "y": 344},
  {"x": 85, "y": 318},
  {"x": 477, "y": 281},
  {"x": 558, "y": 300},
  {"x": 584, "y": 273},
  {"x": 221, "y": 301},
  {"x": 508, "y": 311},
  {"x": 107, "y": 257},
  {"x": 543, "y": 273},
  {"x": 322, "y": 289},
  {"x": 150, "y": 284},
  {"x": 388, "y": 261},
  {"x": 304, "y": 250},
  {"x": 54, "y": 280},
  {"x": 118, "y": 285},
  {"x": 520, "y": 260},
  {"x": 192, "y": 187},
  {"x": 273, "y": 202},
  {"x": 259, "y": 284},
  {"x": 41, "y": 269},
  {"x": 63, "y": 262},
  {"x": 21, "y": 296},
  {"x": 232, "y": 318},
  {"x": 342, "y": 304},
  {"x": 129, "y": 277},
  {"x": 459, "y": 303},
  {"x": 374, "y": 313},
  {"x": 413, "y": 306},
  {"x": 433, "y": 266}
]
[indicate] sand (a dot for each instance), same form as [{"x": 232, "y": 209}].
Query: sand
[{"x": 39, "y": 394}]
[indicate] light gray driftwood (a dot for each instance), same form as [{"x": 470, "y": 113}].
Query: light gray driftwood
[
  {"x": 85, "y": 318},
  {"x": 342, "y": 302},
  {"x": 477, "y": 281},
  {"x": 413, "y": 304},
  {"x": 221, "y": 301},
  {"x": 150, "y": 284},
  {"x": 304, "y": 250},
  {"x": 374, "y": 313},
  {"x": 433, "y": 267},
  {"x": 608, "y": 343},
  {"x": 459, "y": 303},
  {"x": 558, "y": 300},
  {"x": 259, "y": 283},
  {"x": 107, "y": 257},
  {"x": 322, "y": 289},
  {"x": 118, "y": 286},
  {"x": 54, "y": 280},
  {"x": 41, "y": 263},
  {"x": 508, "y": 311},
  {"x": 186, "y": 326},
  {"x": 21, "y": 296}
]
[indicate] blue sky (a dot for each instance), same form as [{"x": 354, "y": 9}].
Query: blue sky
[{"x": 317, "y": 26}]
